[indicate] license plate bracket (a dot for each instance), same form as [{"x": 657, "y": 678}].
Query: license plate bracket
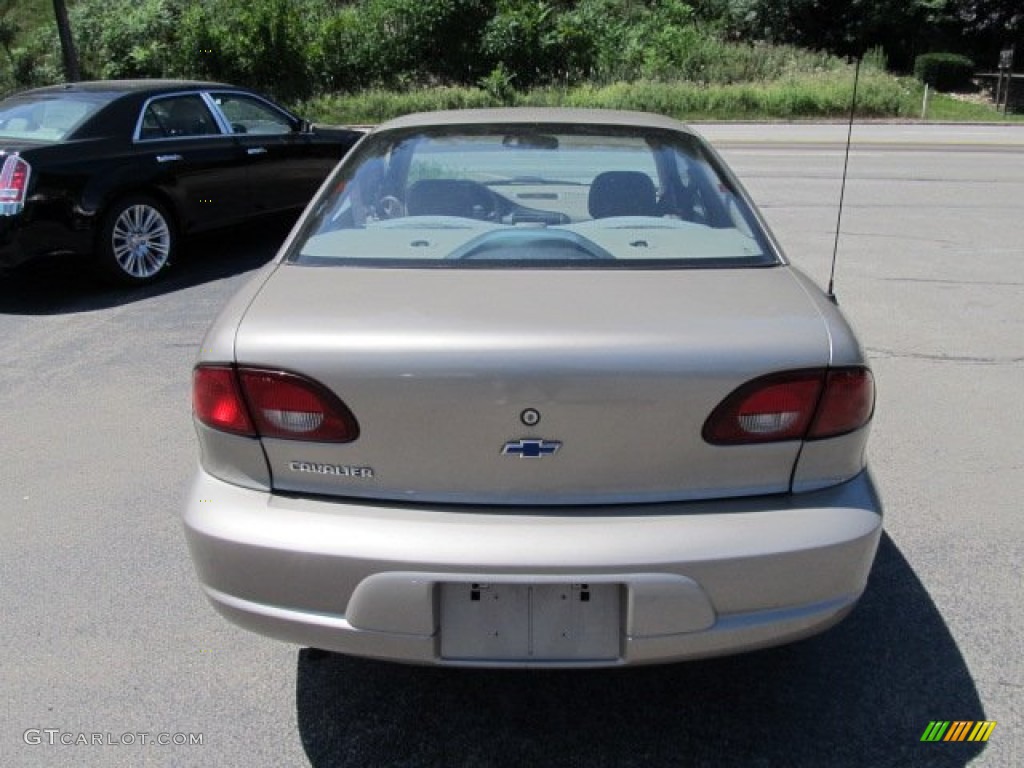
[{"x": 497, "y": 621}]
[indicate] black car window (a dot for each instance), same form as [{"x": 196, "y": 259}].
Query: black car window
[
  {"x": 45, "y": 118},
  {"x": 176, "y": 116},
  {"x": 246, "y": 114}
]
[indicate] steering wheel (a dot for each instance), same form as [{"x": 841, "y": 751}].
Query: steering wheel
[{"x": 390, "y": 207}]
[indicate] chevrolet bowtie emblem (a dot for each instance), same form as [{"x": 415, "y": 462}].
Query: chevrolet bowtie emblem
[{"x": 531, "y": 448}]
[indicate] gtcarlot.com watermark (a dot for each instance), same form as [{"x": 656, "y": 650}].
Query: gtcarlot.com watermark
[{"x": 54, "y": 737}]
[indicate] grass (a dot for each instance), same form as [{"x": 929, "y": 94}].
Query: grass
[
  {"x": 945, "y": 108},
  {"x": 822, "y": 95}
]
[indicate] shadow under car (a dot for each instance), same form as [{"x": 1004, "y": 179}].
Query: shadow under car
[{"x": 860, "y": 694}]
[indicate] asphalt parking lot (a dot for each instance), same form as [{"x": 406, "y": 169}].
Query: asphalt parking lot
[{"x": 107, "y": 639}]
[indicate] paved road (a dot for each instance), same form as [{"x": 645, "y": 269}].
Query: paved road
[{"x": 105, "y": 631}]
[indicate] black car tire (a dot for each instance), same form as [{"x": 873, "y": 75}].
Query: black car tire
[{"x": 137, "y": 241}]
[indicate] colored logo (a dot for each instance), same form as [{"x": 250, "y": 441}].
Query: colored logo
[
  {"x": 958, "y": 730},
  {"x": 531, "y": 448}
]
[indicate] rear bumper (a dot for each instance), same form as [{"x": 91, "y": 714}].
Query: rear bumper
[
  {"x": 696, "y": 579},
  {"x": 23, "y": 239},
  {"x": 11, "y": 251}
]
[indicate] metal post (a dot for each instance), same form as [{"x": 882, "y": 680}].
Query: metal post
[{"x": 1005, "y": 82}]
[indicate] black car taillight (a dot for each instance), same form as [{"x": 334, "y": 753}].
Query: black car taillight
[
  {"x": 795, "y": 405},
  {"x": 14, "y": 176},
  {"x": 261, "y": 402}
]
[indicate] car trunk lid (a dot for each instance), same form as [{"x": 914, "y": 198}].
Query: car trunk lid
[{"x": 532, "y": 386}]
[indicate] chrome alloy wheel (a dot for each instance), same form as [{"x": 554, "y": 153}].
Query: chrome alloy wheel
[{"x": 141, "y": 241}]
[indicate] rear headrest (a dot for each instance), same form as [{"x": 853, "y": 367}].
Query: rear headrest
[{"x": 622, "y": 193}]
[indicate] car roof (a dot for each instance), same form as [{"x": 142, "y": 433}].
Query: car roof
[
  {"x": 124, "y": 86},
  {"x": 536, "y": 115}
]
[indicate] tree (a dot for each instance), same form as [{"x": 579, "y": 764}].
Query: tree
[
  {"x": 67, "y": 43},
  {"x": 8, "y": 29},
  {"x": 845, "y": 27},
  {"x": 990, "y": 26}
]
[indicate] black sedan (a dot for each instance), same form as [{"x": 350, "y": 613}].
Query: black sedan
[{"x": 121, "y": 170}]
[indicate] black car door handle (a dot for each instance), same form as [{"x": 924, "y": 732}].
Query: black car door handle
[
  {"x": 168, "y": 158},
  {"x": 256, "y": 151}
]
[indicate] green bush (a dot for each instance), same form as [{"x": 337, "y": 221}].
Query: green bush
[
  {"x": 498, "y": 85},
  {"x": 538, "y": 42},
  {"x": 395, "y": 42},
  {"x": 263, "y": 44},
  {"x": 119, "y": 39},
  {"x": 37, "y": 61},
  {"x": 520, "y": 39},
  {"x": 9, "y": 32},
  {"x": 944, "y": 71}
]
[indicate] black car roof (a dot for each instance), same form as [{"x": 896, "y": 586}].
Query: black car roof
[{"x": 125, "y": 86}]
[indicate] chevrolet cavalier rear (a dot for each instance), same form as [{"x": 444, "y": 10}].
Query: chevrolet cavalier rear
[{"x": 532, "y": 388}]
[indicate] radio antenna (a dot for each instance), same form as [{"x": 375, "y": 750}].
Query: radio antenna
[{"x": 842, "y": 189}]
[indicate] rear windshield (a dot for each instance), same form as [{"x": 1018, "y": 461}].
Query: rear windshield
[
  {"x": 532, "y": 196},
  {"x": 47, "y": 118}
]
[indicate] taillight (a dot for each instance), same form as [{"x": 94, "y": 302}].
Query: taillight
[
  {"x": 14, "y": 176},
  {"x": 217, "y": 401},
  {"x": 796, "y": 405},
  {"x": 847, "y": 403},
  {"x": 268, "y": 403},
  {"x": 290, "y": 406}
]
